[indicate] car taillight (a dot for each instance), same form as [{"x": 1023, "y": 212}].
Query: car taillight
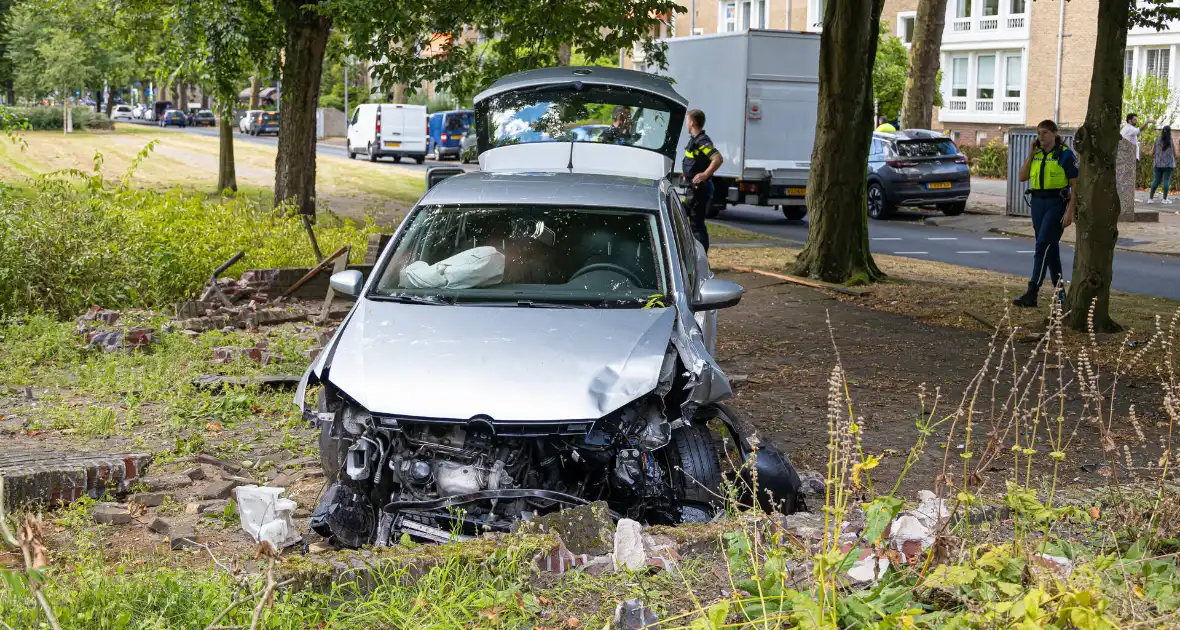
[
  {"x": 960, "y": 159},
  {"x": 378, "y": 120},
  {"x": 748, "y": 187},
  {"x": 443, "y": 137},
  {"x": 900, "y": 163}
]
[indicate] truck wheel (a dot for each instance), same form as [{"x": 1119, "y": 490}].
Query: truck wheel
[
  {"x": 372, "y": 153},
  {"x": 879, "y": 206},
  {"x": 397, "y": 159},
  {"x": 793, "y": 213},
  {"x": 348, "y": 150},
  {"x": 420, "y": 159},
  {"x": 954, "y": 209}
]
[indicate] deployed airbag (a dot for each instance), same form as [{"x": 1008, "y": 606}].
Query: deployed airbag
[{"x": 476, "y": 267}]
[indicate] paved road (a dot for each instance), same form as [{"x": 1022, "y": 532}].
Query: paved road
[
  {"x": 905, "y": 235},
  {"x": 331, "y": 149}
]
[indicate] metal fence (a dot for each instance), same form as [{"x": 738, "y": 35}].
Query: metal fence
[{"x": 1019, "y": 142}]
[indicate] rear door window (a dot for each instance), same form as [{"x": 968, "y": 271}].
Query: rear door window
[{"x": 938, "y": 147}]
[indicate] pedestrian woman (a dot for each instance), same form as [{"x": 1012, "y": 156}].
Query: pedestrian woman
[
  {"x": 1051, "y": 169},
  {"x": 1165, "y": 163}
]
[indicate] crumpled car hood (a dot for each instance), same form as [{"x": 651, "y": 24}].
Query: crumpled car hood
[{"x": 509, "y": 363}]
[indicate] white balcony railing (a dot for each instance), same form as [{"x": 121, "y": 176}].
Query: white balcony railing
[
  {"x": 957, "y": 104},
  {"x": 961, "y": 25},
  {"x": 985, "y": 106},
  {"x": 1012, "y": 106},
  {"x": 989, "y": 23},
  {"x": 986, "y": 26},
  {"x": 1015, "y": 21}
]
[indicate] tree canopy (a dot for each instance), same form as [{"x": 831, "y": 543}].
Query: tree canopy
[{"x": 889, "y": 73}]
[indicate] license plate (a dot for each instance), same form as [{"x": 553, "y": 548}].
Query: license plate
[
  {"x": 797, "y": 191},
  {"x": 456, "y": 136},
  {"x": 938, "y": 185},
  {"x": 390, "y": 143}
]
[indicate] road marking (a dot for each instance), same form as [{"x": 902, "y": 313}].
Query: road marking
[
  {"x": 886, "y": 238},
  {"x": 996, "y": 238},
  {"x": 908, "y": 253},
  {"x": 1026, "y": 251},
  {"x": 973, "y": 251},
  {"x": 942, "y": 238}
]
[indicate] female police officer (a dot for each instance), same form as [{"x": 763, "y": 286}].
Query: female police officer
[{"x": 1052, "y": 172}]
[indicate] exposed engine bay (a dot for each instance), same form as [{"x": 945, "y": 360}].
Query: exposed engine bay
[{"x": 445, "y": 480}]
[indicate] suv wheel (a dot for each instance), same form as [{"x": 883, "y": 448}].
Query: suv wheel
[
  {"x": 793, "y": 213},
  {"x": 372, "y": 153},
  {"x": 954, "y": 209},
  {"x": 879, "y": 207}
]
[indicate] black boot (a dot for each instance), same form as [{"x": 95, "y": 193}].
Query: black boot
[{"x": 1028, "y": 300}]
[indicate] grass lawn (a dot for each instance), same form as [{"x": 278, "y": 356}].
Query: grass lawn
[{"x": 351, "y": 188}]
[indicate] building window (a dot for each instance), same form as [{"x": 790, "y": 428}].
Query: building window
[
  {"x": 728, "y": 17},
  {"x": 963, "y": 8},
  {"x": 955, "y": 136},
  {"x": 991, "y": 7},
  {"x": 753, "y": 14},
  {"x": 1157, "y": 62},
  {"x": 1018, "y": 7},
  {"x": 959, "y": 77},
  {"x": 1012, "y": 77},
  {"x": 905, "y": 27},
  {"x": 815, "y": 14},
  {"x": 1129, "y": 64},
  {"x": 985, "y": 77},
  {"x": 980, "y": 138}
]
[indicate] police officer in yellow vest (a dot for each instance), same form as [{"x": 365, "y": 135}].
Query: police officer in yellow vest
[
  {"x": 884, "y": 126},
  {"x": 701, "y": 160},
  {"x": 1051, "y": 170}
]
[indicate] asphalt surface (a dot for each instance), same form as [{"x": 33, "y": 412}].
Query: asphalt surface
[{"x": 905, "y": 235}]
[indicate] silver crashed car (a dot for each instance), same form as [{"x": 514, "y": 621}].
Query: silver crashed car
[{"x": 537, "y": 335}]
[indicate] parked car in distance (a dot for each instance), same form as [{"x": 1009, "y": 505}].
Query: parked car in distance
[
  {"x": 381, "y": 129},
  {"x": 468, "y": 151},
  {"x": 247, "y": 121},
  {"x": 204, "y": 118},
  {"x": 447, "y": 130},
  {"x": 173, "y": 118},
  {"x": 916, "y": 167},
  {"x": 122, "y": 112},
  {"x": 265, "y": 122}
]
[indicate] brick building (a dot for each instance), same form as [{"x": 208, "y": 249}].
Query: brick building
[{"x": 1005, "y": 63}]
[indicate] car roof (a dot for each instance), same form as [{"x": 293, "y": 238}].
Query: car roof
[
  {"x": 594, "y": 75},
  {"x": 911, "y": 134},
  {"x": 558, "y": 189}
]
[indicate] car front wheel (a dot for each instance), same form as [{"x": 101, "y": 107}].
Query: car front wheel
[
  {"x": 879, "y": 207},
  {"x": 348, "y": 150},
  {"x": 372, "y": 153}
]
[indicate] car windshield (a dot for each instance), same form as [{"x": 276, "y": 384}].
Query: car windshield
[
  {"x": 554, "y": 114},
  {"x": 527, "y": 255},
  {"x": 925, "y": 148}
]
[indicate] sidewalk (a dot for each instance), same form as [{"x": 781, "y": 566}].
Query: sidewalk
[
  {"x": 992, "y": 195},
  {"x": 1148, "y": 238}
]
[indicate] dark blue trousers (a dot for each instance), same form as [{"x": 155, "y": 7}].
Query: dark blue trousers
[
  {"x": 1047, "y": 215},
  {"x": 702, "y": 196}
]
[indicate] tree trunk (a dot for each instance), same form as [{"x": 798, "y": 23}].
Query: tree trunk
[
  {"x": 563, "y": 55},
  {"x": 921, "y": 81},
  {"x": 10, "y": 92},
  {"x": 399, "y": 93},
  {"x": 838, "y": 239},
  {"x": 255, "y": 89},
  {"x": 110, "y": 103},
  {"x": 227, "y": 177},
  {"x": 307, "y": 37},
  {"x": 1098, "y": 200},
  {"x": 98, "y": 101}
]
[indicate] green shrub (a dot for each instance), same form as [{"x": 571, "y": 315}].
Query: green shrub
[
  {"x": 990, "y": 160},
  {"x": 50, "y": 118},
  {"x": 67, "y": 247}
]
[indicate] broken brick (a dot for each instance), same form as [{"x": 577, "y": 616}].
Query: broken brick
[
  {"x": 150, "y": 499},
  {"x": 110, "y": 514},
  {"x": 159, "y": 525},
  {"x": 196, "y": 473},
  {"x": 218, "y": 490},
  {"x": 229, "y": 467},
  {"x": 183, "y": 537}
]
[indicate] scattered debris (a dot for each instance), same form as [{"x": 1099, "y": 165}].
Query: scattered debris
[
  {"x": 228, "y": 467},
  {"x": 868, "y": 569},
  {"x": 320, "y": 547},
  {"x": 266, "y": 516},
  {"x": 804, "y": 525},
  {"x": 183, "y": 537},
  {"x": 230, "y": 354},
  {"x": 110, "y": 514},
  {"x": 150, "y": 499},
  {"x": 196, "y": 473},
  {"x": 629, "y": 552},
  {"x": 1056, "y": 566},
  {"x": 218, "y": 490},
  {"x": 812, "y": 483},
  {"x": 159, "y": 525},
  {"x": 913, "y": 530},
  {"x": 586, "y": 529},
  {"x": 275, "y": 381},
  {"x": 634, "y": 615}
]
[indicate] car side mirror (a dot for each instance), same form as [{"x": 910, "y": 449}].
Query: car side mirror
[
  {"x": 347, "y": 282},
  {"x": 436, "y": 174},
  {"x": 717, "y": 294}
]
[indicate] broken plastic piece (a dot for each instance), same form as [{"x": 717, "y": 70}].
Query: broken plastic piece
[{"x": 266, "y": 516}]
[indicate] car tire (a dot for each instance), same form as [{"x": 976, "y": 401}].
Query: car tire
[
  {"x": 397, "y": 159},
  {"x": 954, "y": 209},
  {"x": 793, "y": 213},
  {"x": 420, "y": 159},
  {"x": 695, "y": 469},
  {"x": 348, "y": 150},
  {"x": 372, "y": 153},
  {"x": 878, "y": 202},
  {"x": 714, "y": 210}
]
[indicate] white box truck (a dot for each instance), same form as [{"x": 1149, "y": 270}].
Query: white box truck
[
  {"x": 382, "y": 129},
  {"x": 759, "y": 90}
]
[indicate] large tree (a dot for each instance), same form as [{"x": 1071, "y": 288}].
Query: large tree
[
  {"x": 889, "y": 73},
  {"x": 1097, "y": 145},
  {"x": 837, "y": 247},
  {"x": 529, "y": 34},
  {"x": 925, "y": 50}
]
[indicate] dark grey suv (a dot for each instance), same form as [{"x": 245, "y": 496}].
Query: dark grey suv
[{"x": 915, "y": 167}]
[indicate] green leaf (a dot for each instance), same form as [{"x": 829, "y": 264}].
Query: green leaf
[{"x": 878, "y": 515}]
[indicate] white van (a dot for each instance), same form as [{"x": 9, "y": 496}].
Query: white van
[{"x": 380, "y": 129}]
